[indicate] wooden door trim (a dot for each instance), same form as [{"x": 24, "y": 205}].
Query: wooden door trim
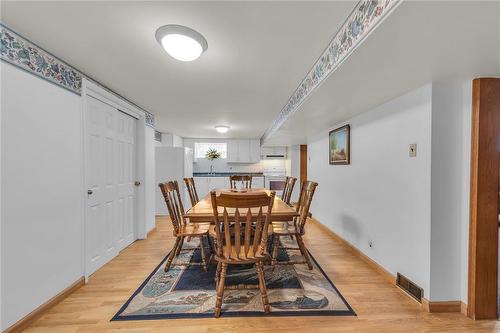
[
  {"x": 303, "y": 163},
  {"x": 483, "y": 226}
]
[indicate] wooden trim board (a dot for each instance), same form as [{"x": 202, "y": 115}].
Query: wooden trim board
[
  {"x": 483, "y": 225},
  {"x": 441, "y": 306},
  {"x": 428, "y": 306},
  {"x": 463, "y": 308},
  {"x": 150, "y": 232},
  {"x": 35, "y": 314},
  {"x": 303, "y": 163}
]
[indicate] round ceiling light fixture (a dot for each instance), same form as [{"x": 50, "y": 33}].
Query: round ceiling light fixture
[
  {"x": 180, "y": 42},
  {"x": 222, "y": 129}
]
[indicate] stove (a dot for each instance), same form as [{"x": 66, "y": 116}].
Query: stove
[{"x": 274, "y": 179}]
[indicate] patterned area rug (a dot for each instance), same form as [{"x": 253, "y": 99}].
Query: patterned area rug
[{"x": 189, "y": 292}]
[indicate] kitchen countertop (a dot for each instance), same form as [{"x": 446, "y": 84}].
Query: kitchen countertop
[{"x": 226, "y": 174}]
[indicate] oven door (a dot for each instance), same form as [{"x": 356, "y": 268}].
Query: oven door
[{"x": 275, "y": 184}]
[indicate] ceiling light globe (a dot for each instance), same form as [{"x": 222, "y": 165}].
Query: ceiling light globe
[
  {"x": 181, "y": 43},
  {"x": 222, "y": 129}
]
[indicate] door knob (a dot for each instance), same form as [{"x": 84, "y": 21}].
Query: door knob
[
  {"x": 89, "y": 192},
  {"x": 137, "y": 183}
]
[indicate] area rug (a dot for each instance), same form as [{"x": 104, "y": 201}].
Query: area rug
[{"x": 189, "y": 292}]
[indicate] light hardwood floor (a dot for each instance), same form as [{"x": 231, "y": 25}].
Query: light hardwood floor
[{"x": 380, "y": 306}]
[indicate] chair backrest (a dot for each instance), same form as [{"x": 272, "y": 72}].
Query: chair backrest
[
  {"x": 246, "y": 181},
  {"x": 243, "y": 224},
  {"x": 307, "y": 189},
  {"x": 288, "y": 189},
  {"x": 170, "y": 191},
  {"x": 193, "y": 195}
]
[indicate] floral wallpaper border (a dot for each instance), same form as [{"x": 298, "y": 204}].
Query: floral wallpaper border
[
  {"x": 22, "y": 53},
  {"x": 363, "y": 19}
]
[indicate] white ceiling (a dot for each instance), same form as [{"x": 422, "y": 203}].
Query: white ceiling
[
  {"x": 419, "y": 42},
  {"x": 257, "y": 54}
]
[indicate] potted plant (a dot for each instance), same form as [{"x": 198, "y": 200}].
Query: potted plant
[{"x": 212, "y": 154}]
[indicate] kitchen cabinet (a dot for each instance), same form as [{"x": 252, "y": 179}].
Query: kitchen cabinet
[
  {"x": 206, "y": 184},
  {"x": 257, "y": 182},
  {"x": 201, "y": 184},
  {"x": 274, "y": 152},
  {"x": 255, "y": 151},
  {"x": 243, "y": 151},
  {"x": 232, "y": 151}
]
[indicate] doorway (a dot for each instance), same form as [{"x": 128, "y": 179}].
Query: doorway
[
  {"x": 484, "y": 200},
  {"x": 110, "y": 167}
]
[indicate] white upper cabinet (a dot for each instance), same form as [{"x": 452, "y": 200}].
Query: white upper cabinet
[
  {"x": 232, "y": 151},
  {"x": 255, "y": 151},
  {"x": 243, "y": 151}
]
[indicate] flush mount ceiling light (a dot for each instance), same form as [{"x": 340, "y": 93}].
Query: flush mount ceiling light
[
  {"x": 222, "y": 129},
  {"x": 180, "y": 42}
]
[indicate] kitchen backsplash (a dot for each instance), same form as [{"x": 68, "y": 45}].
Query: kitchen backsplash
[{"x": 202, "y": 165}]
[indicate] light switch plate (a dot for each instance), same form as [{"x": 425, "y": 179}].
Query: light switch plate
[{"x": 413, "y": 150}]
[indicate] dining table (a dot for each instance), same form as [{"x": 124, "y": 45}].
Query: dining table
[{"x": 203, "y": 211}]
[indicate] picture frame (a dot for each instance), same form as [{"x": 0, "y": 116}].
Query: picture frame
[{"x": 339, "y": 145}]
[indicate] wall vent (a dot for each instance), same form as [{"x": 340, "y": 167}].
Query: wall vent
[
  {"x": 411, "y": 288},
  {"x": 158, "y": 136}
]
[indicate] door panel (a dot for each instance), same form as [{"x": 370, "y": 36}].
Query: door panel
[{"x": 110, "y": 176}]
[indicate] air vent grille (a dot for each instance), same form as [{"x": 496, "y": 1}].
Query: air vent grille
[
  {"x": 411, "y": 288},
  {"x": 158, "y": 136}
]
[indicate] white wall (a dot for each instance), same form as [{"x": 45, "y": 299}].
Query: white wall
[
  {"x": 451, "y": 130},
  {"x": 294, "y": 158},
  {"x": 465, "y": 180},
  {"x": 416, "y": 210},
  {"x": 170, "y": 140},
  {"x": 383, "y": 196},
  {"x": 149, "y": 181},
  {"x": 41, "y": 192}
]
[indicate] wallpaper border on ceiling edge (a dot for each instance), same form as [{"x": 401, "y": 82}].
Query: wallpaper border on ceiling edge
[
  {"x": 26, "y": 55},
  {"x": 365, "y": 17}
]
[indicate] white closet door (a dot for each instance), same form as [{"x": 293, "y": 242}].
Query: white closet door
[
  {"x": 110, "y": 172},
  {"x": 125, "y": 178}
]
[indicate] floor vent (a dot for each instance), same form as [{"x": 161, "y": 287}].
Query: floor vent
[{"x": 411, "y": 288}]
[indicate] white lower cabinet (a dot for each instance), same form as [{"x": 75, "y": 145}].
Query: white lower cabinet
[
  {"x": 206, "y": 184},
  {"x": 257, "y": 182},
  {"x": 217, "y": 182},
  {"x": 201, "y": 184}
]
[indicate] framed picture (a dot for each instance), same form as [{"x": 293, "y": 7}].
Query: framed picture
[{"x": 340, "y": 145}]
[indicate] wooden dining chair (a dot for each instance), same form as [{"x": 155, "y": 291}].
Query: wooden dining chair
[
  {"x": 242, "y": 239},
  {"x": 191, "y": 187},
  {"x": 182, "y": 229},
  {"x": 295, "y": 228},
  {"x": 288, "y": 189},
  {"x": 245, "y": 180}
]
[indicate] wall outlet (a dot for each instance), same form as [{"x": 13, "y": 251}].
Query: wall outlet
[{"x": 413, "y": 150}]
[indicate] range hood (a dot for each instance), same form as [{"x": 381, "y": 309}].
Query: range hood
[{"x": 273, "y": 153}]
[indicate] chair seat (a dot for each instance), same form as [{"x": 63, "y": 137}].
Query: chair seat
[
  {"x": 284, "y": 228},
  {"x": 193, "y": 229}
]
